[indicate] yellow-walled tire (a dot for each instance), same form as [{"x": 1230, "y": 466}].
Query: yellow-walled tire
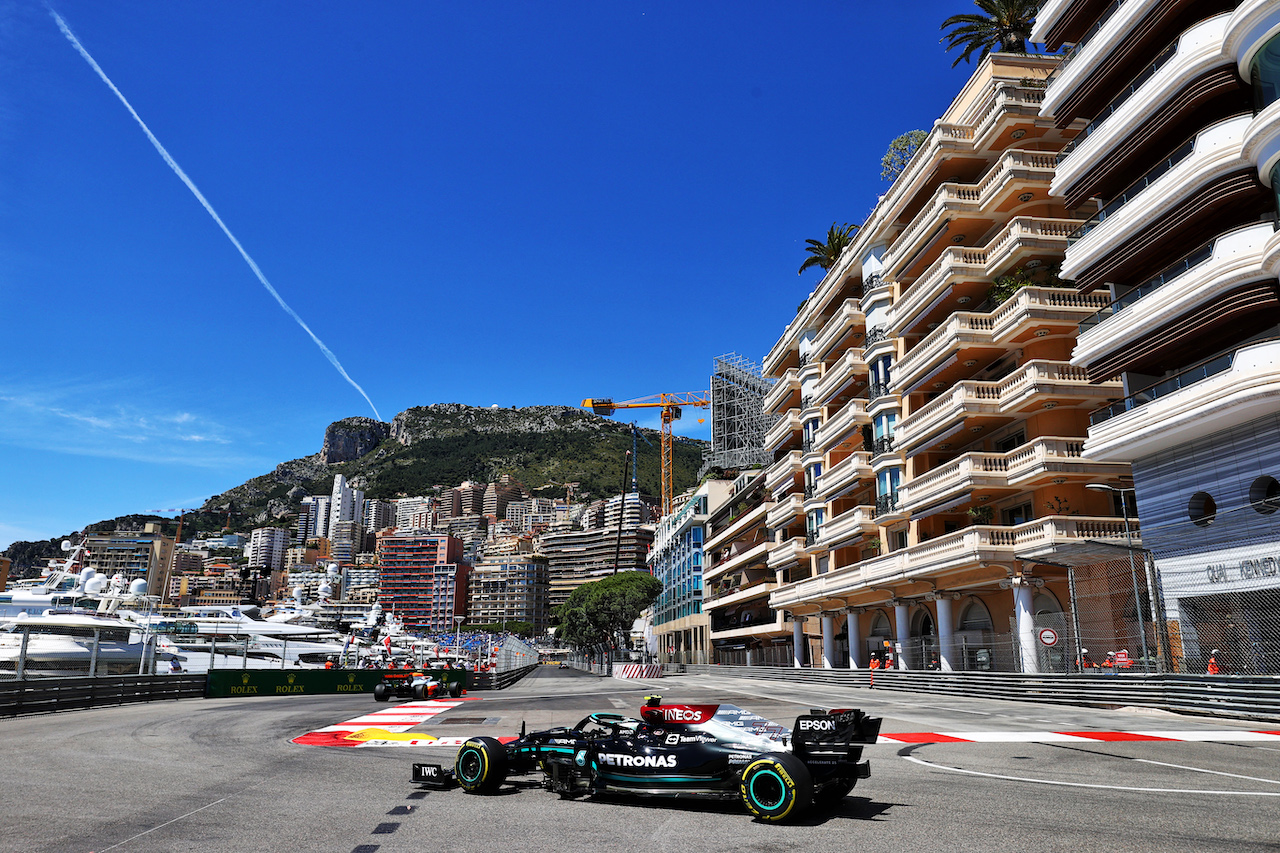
[
  {"x": 776, "y": 787},
  {"x": 481, "y": 765}
]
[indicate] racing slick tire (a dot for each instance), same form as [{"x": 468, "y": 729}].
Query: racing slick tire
[
  {"x": 481, "y": 765},
  {"x": 776, "y": 786},
  {"x": 380, "y": 693},
  {"x": 455, "y": 689},
  {"x": 419, "y": 692}
]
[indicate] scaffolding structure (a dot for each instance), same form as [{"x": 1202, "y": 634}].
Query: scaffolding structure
[{"x": 738, "y": 419}]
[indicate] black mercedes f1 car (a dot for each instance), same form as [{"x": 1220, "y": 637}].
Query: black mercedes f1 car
[{"x": 705, "y": 751}]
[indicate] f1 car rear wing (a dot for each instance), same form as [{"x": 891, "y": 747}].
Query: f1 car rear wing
[{"x": 838, "y": 734}]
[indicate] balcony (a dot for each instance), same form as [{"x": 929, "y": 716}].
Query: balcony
[
  {"x": 1040, "y": 459},
  {"x": 742, "y": 594},
  {"x": 785, "y": 392},
  {"x": 840, "y": 377},
  {"x": 1031, "y": 385},
  {"x": 1196, "y": 52},
  {"x": 848, "y": 526},
  {"x": 742, "y": 554},
  {"x": 1218, "y": 394},
  {"x": 1015, "y": 168},
  {"x": 954, "y": 480},
  {"x": 953, "y": 552},
  {"x": 842, "y": 477},
  {"x": 847, "y": 320},
  {"x": 1022, "y": 237},
  {"x": 785, "y": 512},
  {"x": 888, "y": 504},
  {"x": 1212, "y": 155},
  {"x": 1029, "y": 308},
  {"x": 787, "y": 555},
  {"x": 1085, "y": 59},
  {"x": 839, "y": 426},
  {"x": 740, "y": 526},
  {"x": 784, "y": 474},
  {"x": 785, "y": 431},
  {"x": 1003, "y": 103},
  {"x": 1203, "y": 277}
]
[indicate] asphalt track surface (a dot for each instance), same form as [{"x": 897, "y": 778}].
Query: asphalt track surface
[{"x": 225, "y": 775}]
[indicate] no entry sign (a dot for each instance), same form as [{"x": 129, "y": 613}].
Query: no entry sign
[{"x": 1048, "y": 636}]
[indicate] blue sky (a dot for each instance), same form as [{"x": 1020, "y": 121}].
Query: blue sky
[{"x": 487, "y": 203}]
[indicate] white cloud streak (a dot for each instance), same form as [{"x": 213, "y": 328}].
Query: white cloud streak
[{"x": 177, "y": 170}]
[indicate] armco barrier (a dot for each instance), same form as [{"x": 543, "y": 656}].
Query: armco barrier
[
  {"x": 1239, "y": 696},
  {"x": 501, "y": 680},
  {"x": 44, "y": 695},
  {"x": 307, "y": 682}
]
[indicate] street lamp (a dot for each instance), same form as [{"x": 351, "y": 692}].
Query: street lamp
[
  {"x": 457, "y": 635},
  {"x": 1133, "y": 571}
]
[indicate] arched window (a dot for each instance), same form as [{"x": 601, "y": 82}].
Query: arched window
[
  {"x": 1045, "y": 603},
  {"x": 922, "y": 623},
  {"x": 880, "y": 625},
  {"x": 975, "y": 617}
]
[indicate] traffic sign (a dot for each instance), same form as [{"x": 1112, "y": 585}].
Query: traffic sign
[{"x": 1048, "y": 636}]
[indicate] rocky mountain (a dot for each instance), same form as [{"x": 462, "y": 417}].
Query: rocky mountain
[{"x": 543, "y": 447}]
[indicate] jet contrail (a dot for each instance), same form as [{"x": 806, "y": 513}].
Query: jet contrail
[{"x": 177, "y": 170}]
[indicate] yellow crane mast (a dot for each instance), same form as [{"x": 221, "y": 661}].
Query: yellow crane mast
[{"x": 671, "y": 405}]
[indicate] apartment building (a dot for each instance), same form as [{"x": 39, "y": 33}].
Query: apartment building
[
  {"x": 509, "y": 591},
  {"x": 145, "y": 553},
  {"x": 1180, "y": 158},
  {"x": 578, "y": 556},
  {"x": 931, "y": 423},
  {"x": 267, "y": 547},
  {"x": 423, "y": 578},
  {"x": 737, "y": 578},
  {"x": 681, "y": 628}
]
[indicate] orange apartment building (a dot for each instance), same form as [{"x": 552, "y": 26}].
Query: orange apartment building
[{"x": 929, "y": 444}]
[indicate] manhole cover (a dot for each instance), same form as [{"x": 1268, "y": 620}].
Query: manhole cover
[{"x": 467, "y": 721}]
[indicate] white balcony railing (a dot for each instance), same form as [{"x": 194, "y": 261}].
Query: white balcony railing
[
  {"x": 1003, "y": 397},
  {"x": 848, "y": 526},
  {"x": 833, "y": 431},
  {"x": 948, "y": 553},
  {"x": 847, "y": 318},
  {"x": 840, "y": 376},
  {"x": 1022, "y": 167},
  {"x": 844, "y": 475},
  {"x": 1021, "y": 236}
]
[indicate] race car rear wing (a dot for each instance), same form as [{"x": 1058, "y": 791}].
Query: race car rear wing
[{"x": 835, "y": 735}]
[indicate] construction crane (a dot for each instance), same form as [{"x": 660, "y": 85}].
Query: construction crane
[{"x": 671, "y": 405}]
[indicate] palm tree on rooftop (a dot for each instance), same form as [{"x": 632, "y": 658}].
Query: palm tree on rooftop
[
  {"x": 826, "y": 254},
  {"x": 1004, "y": 26}
]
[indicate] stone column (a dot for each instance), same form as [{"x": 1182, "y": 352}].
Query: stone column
[
  {"x": 797, "y": 640},
  {"x": 855, "y": 640},
  {"x": 1022, "y": 594},
  {"x": 946, "y": 635},
  {"x": 828, "y": 640},
  {"x": 901, "y": 634}
]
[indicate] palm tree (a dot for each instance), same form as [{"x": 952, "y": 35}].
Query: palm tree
[
  {"x": 1004, "y": 26},
  {"x": 826, "y": 254}
]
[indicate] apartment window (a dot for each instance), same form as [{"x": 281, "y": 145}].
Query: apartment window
[
  {"x": 1010, "y": 442},
  {"x": 1264, "y": 74},
  {"x": 1016, "y": 514},
  {"x": 899, "y": 540}
]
